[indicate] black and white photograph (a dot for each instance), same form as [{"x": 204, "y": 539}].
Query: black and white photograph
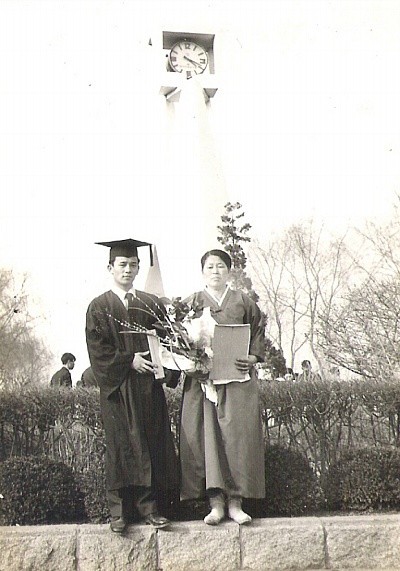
[{"x": 199, "y": 285}]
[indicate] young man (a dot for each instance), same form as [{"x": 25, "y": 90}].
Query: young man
[
  {"x": 140, "y": 462},
  {"x": 307, "y": 374},
  {"x": 62, "y": 378}
]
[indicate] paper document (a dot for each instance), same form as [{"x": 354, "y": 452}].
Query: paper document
[
  {"x": 154, "y": 346},
  {"x": 230, "y": 343}
]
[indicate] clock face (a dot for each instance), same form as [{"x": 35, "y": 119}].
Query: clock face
[{"x": 188, "y": 56}]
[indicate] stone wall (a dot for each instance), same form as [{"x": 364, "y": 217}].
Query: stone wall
[{"x": 346, "y": 542}]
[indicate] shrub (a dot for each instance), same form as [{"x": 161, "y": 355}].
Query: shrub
[
  {"x": 93, "y": 485},
  {"x": 292, "y": 487},
  {"x": 364, "y": 479},
  {"x": 87, "y": 408},
  {"x": 31, "y": 419},
  {"x": 37, "y": 490}
]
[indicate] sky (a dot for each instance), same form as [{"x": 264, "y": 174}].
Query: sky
[{"x": 305, "y": 123}]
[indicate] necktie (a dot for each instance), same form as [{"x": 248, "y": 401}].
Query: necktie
[{"x": 129, "y": 301}]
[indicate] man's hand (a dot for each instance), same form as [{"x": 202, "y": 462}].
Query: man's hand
[{"x": 142, "y": 365}]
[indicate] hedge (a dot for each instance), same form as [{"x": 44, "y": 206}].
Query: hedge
[
  {"x": 309, "y": 429},
  {"x": 38, "y": 490}
]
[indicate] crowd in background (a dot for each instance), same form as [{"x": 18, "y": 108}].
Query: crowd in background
[{"x": 265, "y": 372}]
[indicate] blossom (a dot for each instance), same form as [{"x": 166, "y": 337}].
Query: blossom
[
  {"x": 184, "y": 340},
  {"x": 201, "y": 329},
  {"x": 190, "y": 346}
]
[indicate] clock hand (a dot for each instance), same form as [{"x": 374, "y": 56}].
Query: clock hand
[{"x": 192, "y": 61}]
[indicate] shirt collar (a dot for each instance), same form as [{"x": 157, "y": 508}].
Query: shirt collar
[{"x": 122, "y": 293}]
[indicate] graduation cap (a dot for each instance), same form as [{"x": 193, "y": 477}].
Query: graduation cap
[{"x": 126, "y": 248}]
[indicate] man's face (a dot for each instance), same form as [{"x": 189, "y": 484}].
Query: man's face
[
  {"x": 124, "y": 271},
  {"x": 70, "y": 364}
]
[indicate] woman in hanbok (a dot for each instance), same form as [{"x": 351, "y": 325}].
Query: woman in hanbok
[{"x": 221, "y": 437}]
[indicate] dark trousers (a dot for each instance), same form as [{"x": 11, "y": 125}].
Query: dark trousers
[{"x": 131, "y": 501}]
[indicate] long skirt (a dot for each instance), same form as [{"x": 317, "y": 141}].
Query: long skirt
[{"x": 221, "y": 446}]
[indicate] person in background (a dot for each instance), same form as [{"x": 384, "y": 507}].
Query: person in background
[
  {"x": 289, "y": 375},
  {"x": 62, "y": 378},
  {"x": 307, "y": 373},
  {"x": 87, "y": 379},
  {"x": 221, "y": 443},
  {"x": 141, "y": 463},
  {"x": 263, "y": 372}
]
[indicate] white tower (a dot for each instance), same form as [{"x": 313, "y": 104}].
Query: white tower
[{"x": 186, "y": 66}]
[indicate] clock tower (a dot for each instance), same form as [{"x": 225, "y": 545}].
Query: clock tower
[
  {"x": 193, "y": 181},
  {"x": 182, "y": 56},
  {"x": 188, "y": 57}
]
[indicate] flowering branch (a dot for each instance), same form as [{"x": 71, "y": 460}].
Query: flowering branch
[{"x": 180, "y": 333}]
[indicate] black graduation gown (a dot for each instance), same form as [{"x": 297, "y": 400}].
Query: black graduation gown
[{"x": 139, "y": 445}]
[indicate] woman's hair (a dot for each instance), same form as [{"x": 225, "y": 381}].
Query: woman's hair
[{"x": 225, "y": 257}]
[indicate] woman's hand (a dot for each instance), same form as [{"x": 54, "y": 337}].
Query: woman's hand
[
  {"x": 245, "y": 364},
  {"x": 142, "y": 365}
]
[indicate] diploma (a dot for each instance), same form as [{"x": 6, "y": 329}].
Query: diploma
[
  {"x": 230, "y": 343},
  {"x": 155, "y": 354}
]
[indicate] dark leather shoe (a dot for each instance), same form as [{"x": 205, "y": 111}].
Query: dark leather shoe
[
  {"x": 118, "y": 525},
  {"x": 157, "y": 521}
]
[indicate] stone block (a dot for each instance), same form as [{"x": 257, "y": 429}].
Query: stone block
[
  {"x": 195, "y": 546},
  {"x": 283, "y": 544},
  {"x": 99, "y": 549},
  {"x": 363, "y": 542},
  {"x": 38, "y": 548}
]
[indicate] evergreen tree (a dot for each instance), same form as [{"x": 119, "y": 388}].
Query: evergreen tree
[
  {"x": 274, "y": 359},
  {"x": 232, "y": 237},
  {"x": 233, "y": 234}
]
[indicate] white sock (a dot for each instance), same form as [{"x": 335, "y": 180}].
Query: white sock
[
  {"x": 236, "y": 513},
  {"x": 217, "y": 512}
]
